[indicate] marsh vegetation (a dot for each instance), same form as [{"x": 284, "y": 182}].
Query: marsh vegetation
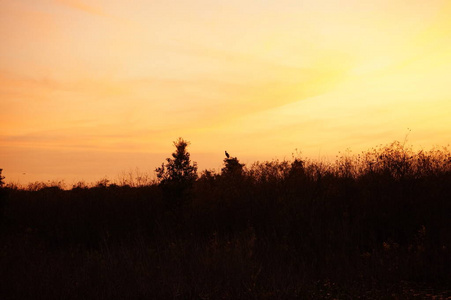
[{"x": 371, "y": 225}]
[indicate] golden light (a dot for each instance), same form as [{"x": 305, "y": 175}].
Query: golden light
[{"x": 89, "y": 89}]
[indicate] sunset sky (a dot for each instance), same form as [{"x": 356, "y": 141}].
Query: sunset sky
[{"x": 94, "y": 88}]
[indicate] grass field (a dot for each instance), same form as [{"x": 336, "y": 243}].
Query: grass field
[{"x": 370, "y": 226}]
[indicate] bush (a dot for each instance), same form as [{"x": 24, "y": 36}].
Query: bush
[
  {"x": 280, "y": 229},
  {"x": 2, "y": 197}
]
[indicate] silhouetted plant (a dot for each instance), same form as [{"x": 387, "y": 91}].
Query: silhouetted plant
[
  {"x": 102, "y": 183},
  {"x": 207, "y": 177},
  {"x": 232, "y": 167},
  {"x": 80, "y": 185},
  {"x": 2, "y": 196},
  {"x": 297, "y": 167},
  {"x": 363, "y": 224},
  {"x": 178, "y": 175},
  {"x": 1, "y": 179}
]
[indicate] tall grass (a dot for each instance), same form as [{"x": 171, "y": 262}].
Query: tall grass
[{"x": 365, "y": 225}]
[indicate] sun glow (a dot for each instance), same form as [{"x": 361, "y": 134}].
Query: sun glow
[{"x": 89, "y": 89}]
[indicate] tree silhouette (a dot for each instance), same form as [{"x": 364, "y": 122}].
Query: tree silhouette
[
  {"x": 232, "y": 167},
  {"x": 178, "y": 175}
]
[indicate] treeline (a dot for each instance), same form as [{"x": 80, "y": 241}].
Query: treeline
[{"x": 370, "y": 225}]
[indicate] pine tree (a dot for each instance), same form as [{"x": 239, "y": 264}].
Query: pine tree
[{"x": 178, "y": 175}]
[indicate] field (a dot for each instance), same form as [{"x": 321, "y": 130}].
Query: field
[{"x": 370, "y": 226}]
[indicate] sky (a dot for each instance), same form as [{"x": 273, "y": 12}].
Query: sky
[{"x": 93, "y": 89}]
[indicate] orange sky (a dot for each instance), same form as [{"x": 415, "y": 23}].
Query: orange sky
[{"x": 93, "y": 88}]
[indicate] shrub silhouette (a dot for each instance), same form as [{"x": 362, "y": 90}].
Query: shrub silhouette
[
  {"x": 296, "y": 229},
  {"x": 178, "y": 175},
  {"x": 1, "y": 179},
  {"x": 232, "y": 167},
  {"x": 2, "y": 196}
]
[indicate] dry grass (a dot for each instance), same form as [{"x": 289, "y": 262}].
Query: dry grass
[{"x": 372, "y": 225}]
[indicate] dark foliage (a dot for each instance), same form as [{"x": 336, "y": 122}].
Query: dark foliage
[
  {"x": 2, "y": 197},
  {"x": 177, "y": 176},
  {"x": 374, "y": 225},
  {"x": 232, "y": 167},
  {"x": 1, "y": 179}
]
